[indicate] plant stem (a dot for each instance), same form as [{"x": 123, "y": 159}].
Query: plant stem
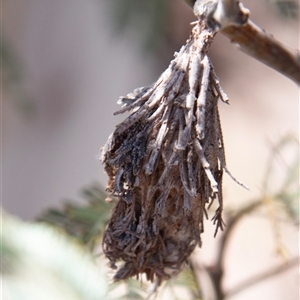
[
  {"x": 216, "y": 271},
  {"x": 257, "y": 43},
  {"x": 260, "y": 45},
  {"x": 263, "y": 276}
]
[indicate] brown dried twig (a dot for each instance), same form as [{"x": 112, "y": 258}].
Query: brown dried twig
[
  {"x": 249, "y": 37},
  {"x": 257, "y": 43}
]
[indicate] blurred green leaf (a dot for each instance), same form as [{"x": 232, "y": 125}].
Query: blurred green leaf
[
  {"x": 147, "y": 19},
  {"x": 287, "y": 8},
  {"x": 43, "y": 263},
  {"x": 187, "y": 279},
  {"x": 12, "y": 75},
  {"x": 84, "y": 222}
]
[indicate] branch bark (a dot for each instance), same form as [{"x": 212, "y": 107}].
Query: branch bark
[
  {"x": 258, "y": 44},
  {"x": 253, "y": 40}
]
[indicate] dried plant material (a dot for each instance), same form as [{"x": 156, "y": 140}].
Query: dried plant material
[{"x": 165, "y": 164}]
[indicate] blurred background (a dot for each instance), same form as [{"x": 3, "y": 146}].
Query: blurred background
[{"x": 65, "y": 63}]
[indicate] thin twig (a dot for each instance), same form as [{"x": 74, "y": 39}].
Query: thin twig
[
  {"x": 216, "y": 271},
  {"x": 253, "y": 40},
  {"x": 263, "y": 276},
  {"x": 230, "y": 225}
]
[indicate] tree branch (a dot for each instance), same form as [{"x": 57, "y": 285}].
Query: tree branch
[
  {"x": 230, "y": 14},
  {"x": 258, "y": 44}
]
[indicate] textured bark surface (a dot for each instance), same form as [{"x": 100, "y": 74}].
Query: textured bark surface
[{"x": 165, "y": 165}]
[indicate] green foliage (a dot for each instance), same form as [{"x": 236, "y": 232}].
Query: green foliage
[
  {"x": 39, "y": 262},
  {"x": 287, "y": 8},
  {"x": 84, "y": 222},
  {"x": 12, "y": 76},
  {"x": 187, "y": 279}
]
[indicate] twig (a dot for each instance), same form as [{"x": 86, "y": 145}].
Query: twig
[
  {"x": 216, "y": 271},
  {"x": 263, "y": 276},
  {"x": 249, "y": 37},
  {"x": 258, "y": 44},
  {"x": 230, "y": 225}
]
